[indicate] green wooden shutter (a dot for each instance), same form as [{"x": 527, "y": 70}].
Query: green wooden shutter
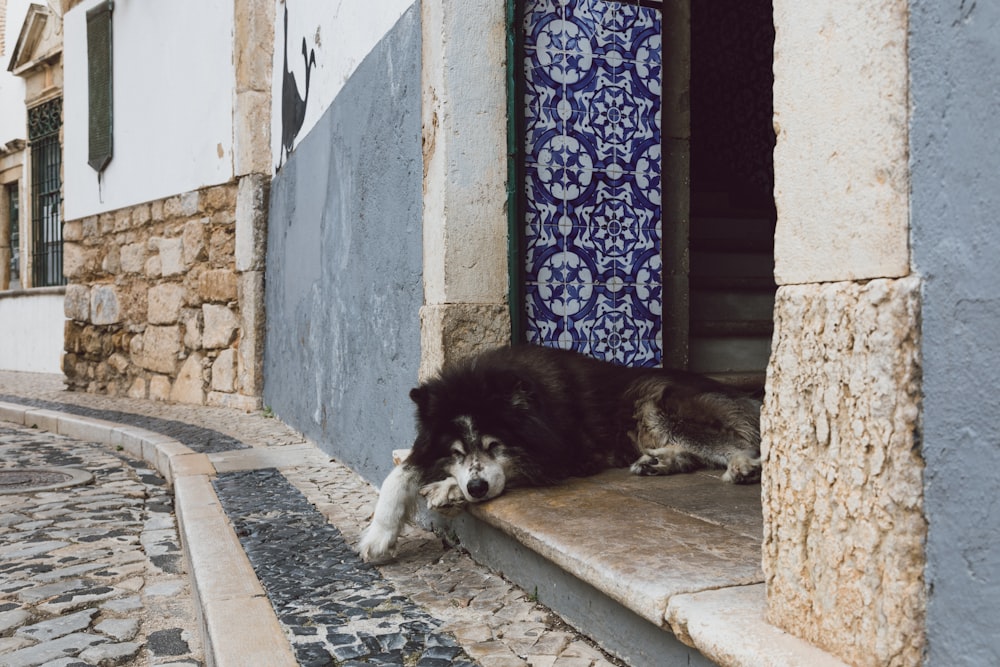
[{"x": 99, "y": 78}]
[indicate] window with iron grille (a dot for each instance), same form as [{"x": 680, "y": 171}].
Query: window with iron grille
[
  {"x": 13, "y": 217},
  {"x": 44, "y": 122}
]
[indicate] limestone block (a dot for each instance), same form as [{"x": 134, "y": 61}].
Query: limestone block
[
  {"x": 91, "y": 230},
  {"x": 133, "y": 257},
  {"x": 841, "y": 165},
  {"x": 171, "y": 256},
  {"x": 251, "y": 222},
  {"x": 843, "y": 476},
  {"x": 104, "y": 306},
  {"x": 217, "y": 285},
  {"x": 73, "y": 230},
  {"x": 189, "y": 387},
  {"x": 252, "y": 129},
  {"x": 193, "y": 240},
  {"x": 250, "y": 368},
  {"x": 137, "y": 389},
  {"x": 453, "y": 331},
  {"x": 141, "y": 215},
  {"x": 159, "y": 388},
  {"x": 152, "y": 267},
  {"x": 111, "y": 263},
  {"x": 76, "y": 305},
  {"x": 119, "y": 362},
  {"x": 224, "y": 371},
  {"x": 164, "y": 303},
  {"x": 220, "y": 325},
  {"x": 192, "y": 330},
  {"x": 185, "y": 205},
  {"x": 157, "y": 349},
  {"x": 77, "y": 260}
]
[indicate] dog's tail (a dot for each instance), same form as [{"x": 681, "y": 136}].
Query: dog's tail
[{"x": 396, "y": 504}]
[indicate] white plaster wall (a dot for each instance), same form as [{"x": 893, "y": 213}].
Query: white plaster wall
[
  {"x": 12, "y": 113},
  {"x": 174, "y": 86},
  {"x": 342, "y": 34},
  {"x": 31, "y": 327}
]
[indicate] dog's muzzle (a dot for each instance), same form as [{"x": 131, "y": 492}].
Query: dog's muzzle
[{"x": 477, "y": 487}]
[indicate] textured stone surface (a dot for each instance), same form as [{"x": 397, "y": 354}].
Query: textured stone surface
[
  {"x": 104, "y": 306},
  {"x": 165, "y": 303},
  {"x": 77, "y": 303},
  {"x": 79, "y": 566},
  {"x": 147, "y": 270},
  {"x": 841, "y": 180},
  {"x": 453, "y": 331},
  {"x": 842, "y": 485},
  {"x": 221, "y": 325}
]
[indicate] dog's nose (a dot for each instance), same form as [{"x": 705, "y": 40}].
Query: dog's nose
[{"x": 477, "y": 487}]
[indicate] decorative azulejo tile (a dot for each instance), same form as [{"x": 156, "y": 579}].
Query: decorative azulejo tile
[{"x": 592, "y": 79}]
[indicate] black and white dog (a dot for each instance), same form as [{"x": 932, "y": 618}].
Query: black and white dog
[{"x": 531, "y": 416}]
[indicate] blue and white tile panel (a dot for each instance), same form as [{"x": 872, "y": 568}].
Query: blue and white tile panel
[{"x": 592, "y": 178}]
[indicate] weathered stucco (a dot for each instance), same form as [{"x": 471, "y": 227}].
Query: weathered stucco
[
  {"x": 840, "y": 162},
  {"x": 842, "y": 488}
]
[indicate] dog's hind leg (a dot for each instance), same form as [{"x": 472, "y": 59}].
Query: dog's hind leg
[
  {"x": 742, "y": 468},
  {"x": 396, "y": 504}
]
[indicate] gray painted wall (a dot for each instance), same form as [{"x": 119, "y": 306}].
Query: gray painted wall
[
  {"x": 955, "y": 155},
  {"x": 344, "y": 283}
]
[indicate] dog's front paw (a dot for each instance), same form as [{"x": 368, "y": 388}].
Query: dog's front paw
[
  {"x": 377, "y": 545},
  {"x": 742, "y": 469},
  {"x": 444, "y": 496},
  {"x": 646, "y": 465}
]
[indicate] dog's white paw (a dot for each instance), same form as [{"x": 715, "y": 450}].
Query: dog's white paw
[
  {"x": 377, "y": 545},
  {"x": 646, "y": 465},
  {"x": 444, "y": 496},
  {"x": 742, "y": 469}
]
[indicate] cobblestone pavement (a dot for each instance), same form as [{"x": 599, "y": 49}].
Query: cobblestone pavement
[
  {"x": 91, "y": 574},
  {"x": 299, "y": 525}
]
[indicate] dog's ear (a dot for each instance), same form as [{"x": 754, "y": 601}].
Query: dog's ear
[{"x": 421, "y": 397}]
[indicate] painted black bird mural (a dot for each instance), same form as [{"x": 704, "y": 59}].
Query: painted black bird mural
[{"x": 293, "y": 103}]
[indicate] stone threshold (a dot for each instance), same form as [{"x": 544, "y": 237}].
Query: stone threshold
[{"x": 681, "y": 552}]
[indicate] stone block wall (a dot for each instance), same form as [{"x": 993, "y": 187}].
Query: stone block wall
[
  {"x": 843, "y": 490},
  {"x": 154, "y": 305}
]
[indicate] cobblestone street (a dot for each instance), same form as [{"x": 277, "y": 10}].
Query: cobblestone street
[
  {"x": 91, "y": 574},
  {"x": 94, "y": 574}
]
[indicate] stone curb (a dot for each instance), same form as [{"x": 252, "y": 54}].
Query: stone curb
[{"x": 236, "y": 616}]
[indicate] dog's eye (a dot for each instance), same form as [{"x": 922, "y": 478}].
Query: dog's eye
[
  {"x": 457, "y": 451},
  {"x": 491, "y": 445}
]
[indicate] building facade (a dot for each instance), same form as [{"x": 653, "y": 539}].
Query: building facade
[{"x": 399, "y": 187}]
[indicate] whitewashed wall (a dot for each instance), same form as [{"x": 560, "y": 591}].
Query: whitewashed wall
[
  {"x": 173, "y": 103},
  {"x": 12, "y": 113},
  {"x": 341, "y": 34},
  {"x": 31, "y": 324}
]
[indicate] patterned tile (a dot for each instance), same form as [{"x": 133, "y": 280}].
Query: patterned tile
[{"x": 592, "y": 77}]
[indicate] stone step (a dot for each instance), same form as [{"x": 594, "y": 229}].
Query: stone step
[{"x": 645, "y": 566}]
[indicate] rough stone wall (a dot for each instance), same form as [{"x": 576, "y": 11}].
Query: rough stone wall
[
  {"x": 843, "y": 484},
  {"x": 153, "y": 306}
]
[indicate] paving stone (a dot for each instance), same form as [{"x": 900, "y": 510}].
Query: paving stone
[
  {"x": 112, "y": 654},
  {"x": 118, "y": 629},
  {"x": 12, "y": 619},
  {"x": 39, "y": 654},
  {"x": 60, "y": 626}
]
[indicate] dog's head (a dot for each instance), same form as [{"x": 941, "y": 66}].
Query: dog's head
[{"x": 465, "y": 430}]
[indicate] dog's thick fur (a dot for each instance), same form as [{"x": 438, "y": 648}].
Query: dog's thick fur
[{"x": 531, "y": 416}]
